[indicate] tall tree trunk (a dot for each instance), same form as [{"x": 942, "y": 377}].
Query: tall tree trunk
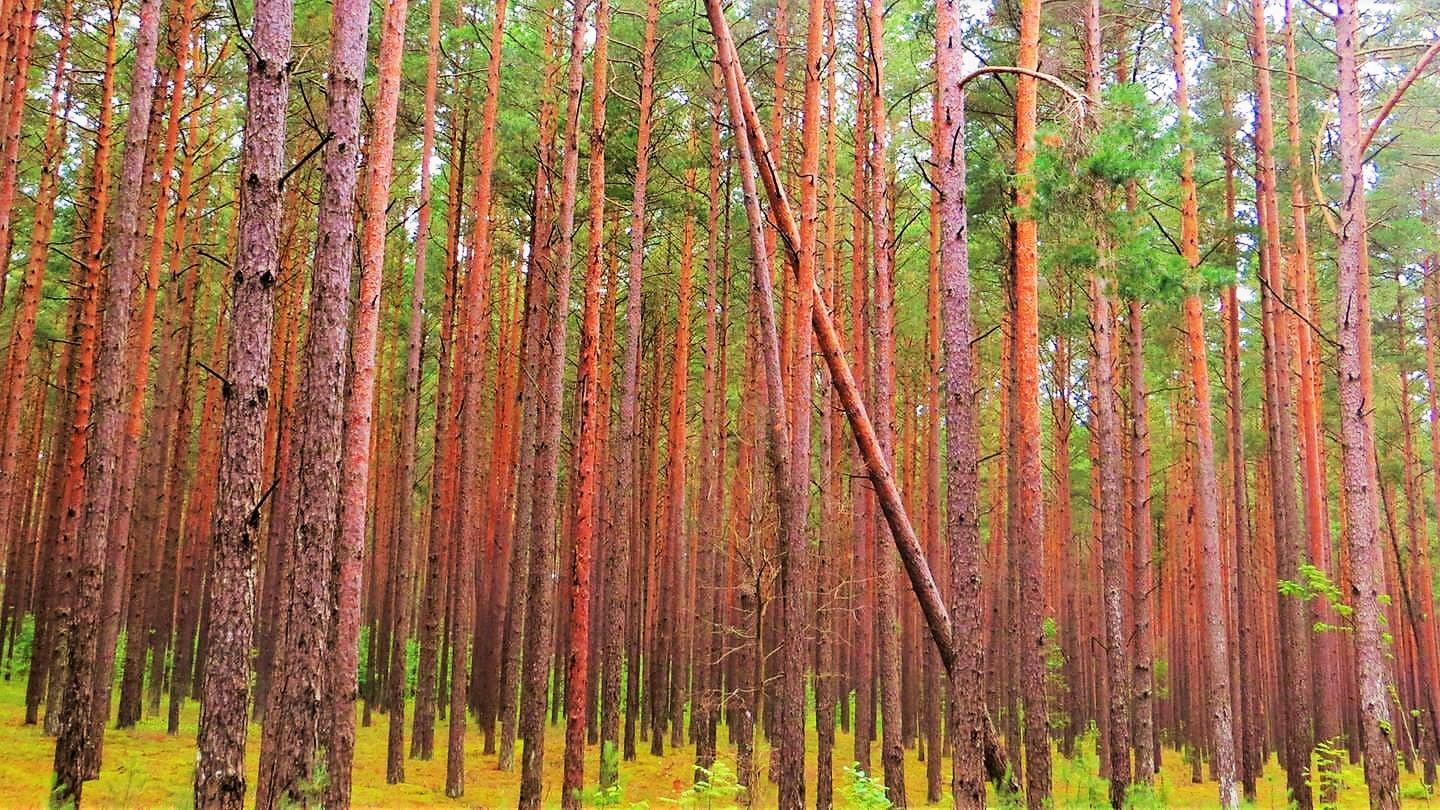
[
  {"x": 432, "y": 602},
  {"x": 21, "y": 22},
  {"x": 358, "y": 415},
  {"x": 1111, "y": 473},
  {"x": 539, "y": 304},
  {"x": 742, "y": 109},
  {"x": 1030, "y": 518},
  {"x": 1325, "y": 652},
  {"x": 539, "y": 623},
  {"x": 94, "y": 622},
  {"x": 967, "y": 722},
  {"x": 1357, "y": 440},
  {"x": 1216, "y": 637},
  {"x": 145, "y": 573},
  {"x": 585, "y": 486},
  {"x": 625, "y": 518},
  {"x": 791, "y": 501},
  {"x": 293, "y": 738},
  {"x": 220, "y": 765},
  {"x": 827, "y": 577},
  {"x": 892, "y": 750},
  {"x": 1294, "y": 657},
  {"x": 708, "y": 655},
  {"x": 22, "y": 326},
  {"x": 1142, "y": 684},
  {"x": 409, "y": 427}
]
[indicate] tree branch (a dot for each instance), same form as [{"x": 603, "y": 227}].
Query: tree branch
[{"x": 1389, "y": 106}]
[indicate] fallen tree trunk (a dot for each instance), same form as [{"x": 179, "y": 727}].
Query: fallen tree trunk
[{"x": 754, "y": 153}]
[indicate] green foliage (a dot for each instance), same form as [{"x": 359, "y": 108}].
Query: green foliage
[
  {"x": 1081, "y": 773},
  {"x": 863, "y": 791},
  {"x": 609, "y": 765},
  {"x": 1329, "y": 757},
  {"x": 1057, "y": 685},
  {"x": 608, "y": 792},
  {"x": 717, "y": 785},
  {"x": 1161, "y": 667},
  {"x": 1315, "y": 584},
  {"x": 20, "y": 653},
  {"x": 605, "y": 797},
  {"x": 310, "y": 792},
  {"x": 1143, "y": 796},
  {"x": 1420, "y": 792},
  {"x": 1131, "y": 142}
]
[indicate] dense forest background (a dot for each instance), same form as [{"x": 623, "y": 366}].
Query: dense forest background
[{"x": 775, "y": 403}]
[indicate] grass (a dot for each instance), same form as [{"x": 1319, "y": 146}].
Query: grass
[{"x": 145, "y": 768}]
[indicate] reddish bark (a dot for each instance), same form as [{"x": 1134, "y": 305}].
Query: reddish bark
[
  {"x": 1030, "y": 519},
  {"x": 1216, "y": 641},
  {"x": 22, "y": 328},
  {"x": 95, "y": 618},
  {"x": 145, "y": 572},
  {"x": 422, "y": 734},
  {"x": 827, "y": 577},
  {"x": 623, "y": 520},
  {"x": 892, "y": 751},
  {"x": 539, "y": 623},
  {"x": 705, "y": 715},
  {"x": 359, "y": 406},
  {"x": 1142, "y": 682},
  {"x": 791, "y": 501},
  {"x": 539, "y": 304},
  {"x": 409, "y": 427},
  {"x": 967, "y": 720},
  {"x": 585, "y": 485},
  {"x": 828, "y": 340},
  {"x": 1294, "y": 657},
  {"x": 1325, "y": 651},
  {"x": 20, "y": 41}
]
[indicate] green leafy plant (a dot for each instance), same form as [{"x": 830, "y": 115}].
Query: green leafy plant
[
  {"x": 1080, "y": 775},
  {"x": 609, "y": 765},
  {"x": 1150, "y": 796},
  {"x": 717, "y": 785},
  {"x": 1329, "y": 756},
  {"x": 1057, "y": 686},
  {"x": 864, "y": 791},
  {"x": 1419, "y": 793},
  {"x": 1315, "y": 584}
]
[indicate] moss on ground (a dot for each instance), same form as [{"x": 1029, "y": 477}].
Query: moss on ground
[{"x": 145, "y": 768}]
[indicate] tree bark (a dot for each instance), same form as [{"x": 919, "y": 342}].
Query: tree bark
[
  {"x": 292, "y": 742},
  {"x": 1216, "y": 636},
  {"x": 1357, "y": 471},
  {"x": 590, "y": 424},
  {"x": 220, "y": 765}
]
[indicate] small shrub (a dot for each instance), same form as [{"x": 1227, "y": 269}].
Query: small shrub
[{"x": 863, "y": 791}]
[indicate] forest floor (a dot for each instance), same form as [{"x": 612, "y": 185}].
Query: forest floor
[{"x": 145, "y": 768}]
